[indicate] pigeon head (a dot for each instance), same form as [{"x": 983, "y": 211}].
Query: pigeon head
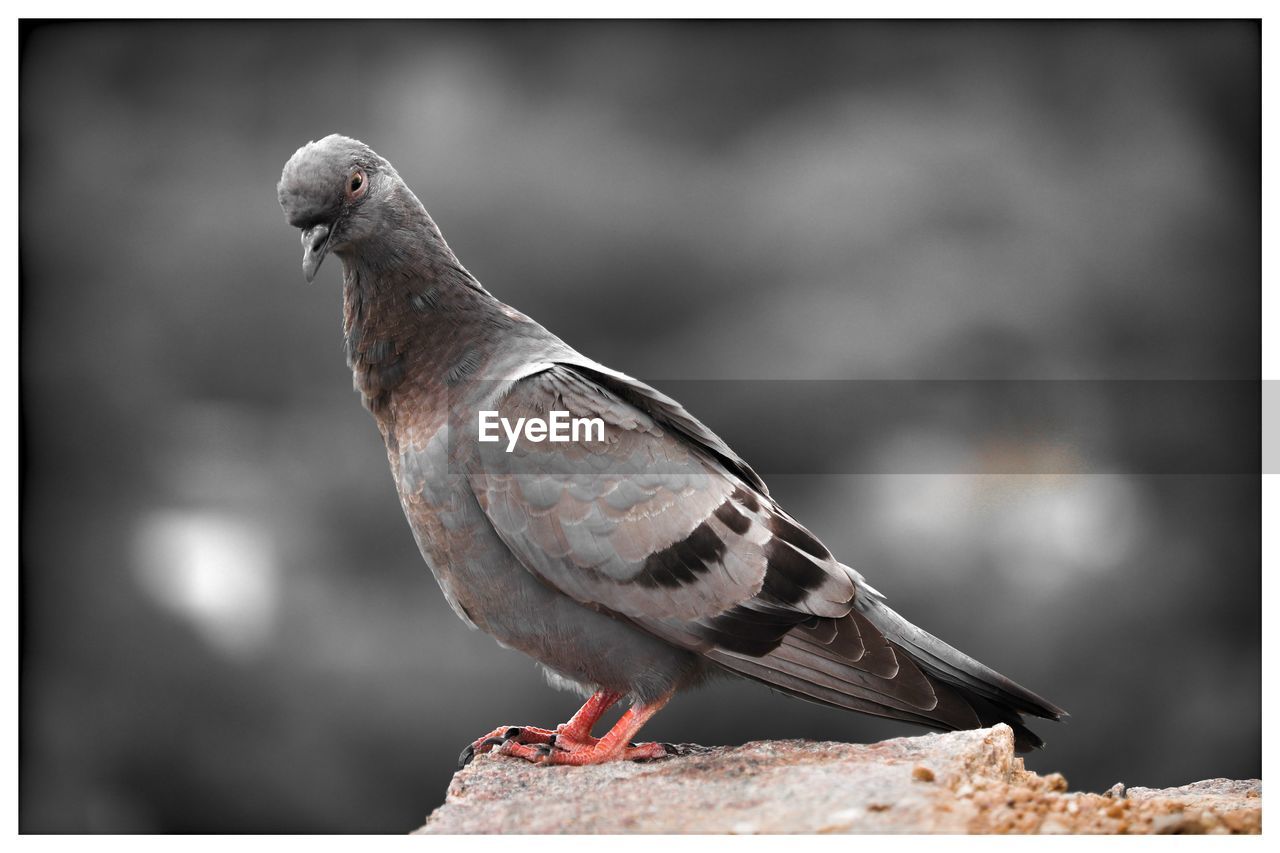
[{"x": 339, "y": 192}]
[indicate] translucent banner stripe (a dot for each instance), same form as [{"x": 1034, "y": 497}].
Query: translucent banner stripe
[{"x": 1146, "y": 427}]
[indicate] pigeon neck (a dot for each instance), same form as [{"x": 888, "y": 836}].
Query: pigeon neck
[{"x": 405, "y": 308}]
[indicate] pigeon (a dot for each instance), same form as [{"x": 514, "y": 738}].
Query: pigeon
[{"x": 633, "y": 558}]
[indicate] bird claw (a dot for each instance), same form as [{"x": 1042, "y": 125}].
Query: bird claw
[
  {"x": 473, "y": 749},
  {"x": 684, "y": 749},
  {"x": 499, "y": 737},
  {"x": 668, "y": 748},
  {"x": 675, "y": 749}
]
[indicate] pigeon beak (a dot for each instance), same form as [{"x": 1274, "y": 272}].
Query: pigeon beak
[{"x": 315, "y": 245}]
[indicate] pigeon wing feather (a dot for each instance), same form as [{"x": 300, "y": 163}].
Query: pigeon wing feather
[{"x": 656, "y": 521}]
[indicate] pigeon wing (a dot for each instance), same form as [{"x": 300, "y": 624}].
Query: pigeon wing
[{"x": 656, "y": 521}]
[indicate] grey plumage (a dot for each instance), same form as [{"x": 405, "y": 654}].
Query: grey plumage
[{"x": 633, "y": 566}]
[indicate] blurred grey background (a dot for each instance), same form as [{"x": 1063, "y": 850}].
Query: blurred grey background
[{"x": 225, "y": 623}]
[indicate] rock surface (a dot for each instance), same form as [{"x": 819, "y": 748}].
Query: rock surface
[{"x": 960, "y": 782}]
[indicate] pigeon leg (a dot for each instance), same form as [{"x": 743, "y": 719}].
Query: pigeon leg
[
  {"x": 573, "y": 735},
  {"x": 616, "y": 745},
  {"x": 576, "y": 734}
]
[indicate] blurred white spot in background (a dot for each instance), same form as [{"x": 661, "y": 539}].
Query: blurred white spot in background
[
  {"x": 1016, "y": 510},
  {"x": 215, "y": 571},
  {"x": 923, "y": 515},
  {"x": 1049, "y": 531},
  {"x": 1083, "y": 521}
]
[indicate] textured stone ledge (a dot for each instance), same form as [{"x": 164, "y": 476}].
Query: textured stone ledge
[{"x": 956, "y": 783}]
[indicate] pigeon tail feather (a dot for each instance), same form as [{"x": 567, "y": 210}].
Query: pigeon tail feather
[{"x": 953, "y": 666}]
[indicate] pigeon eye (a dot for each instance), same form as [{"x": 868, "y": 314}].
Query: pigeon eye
[{"x": 356, "y": 184}]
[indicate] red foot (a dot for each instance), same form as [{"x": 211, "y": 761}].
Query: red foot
[
  {"x": 573, "y": 735},
  {"x": 571, "y": 742},
  {"x": 525, "y": 734},
  {"x": 596, "y": 754}
]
